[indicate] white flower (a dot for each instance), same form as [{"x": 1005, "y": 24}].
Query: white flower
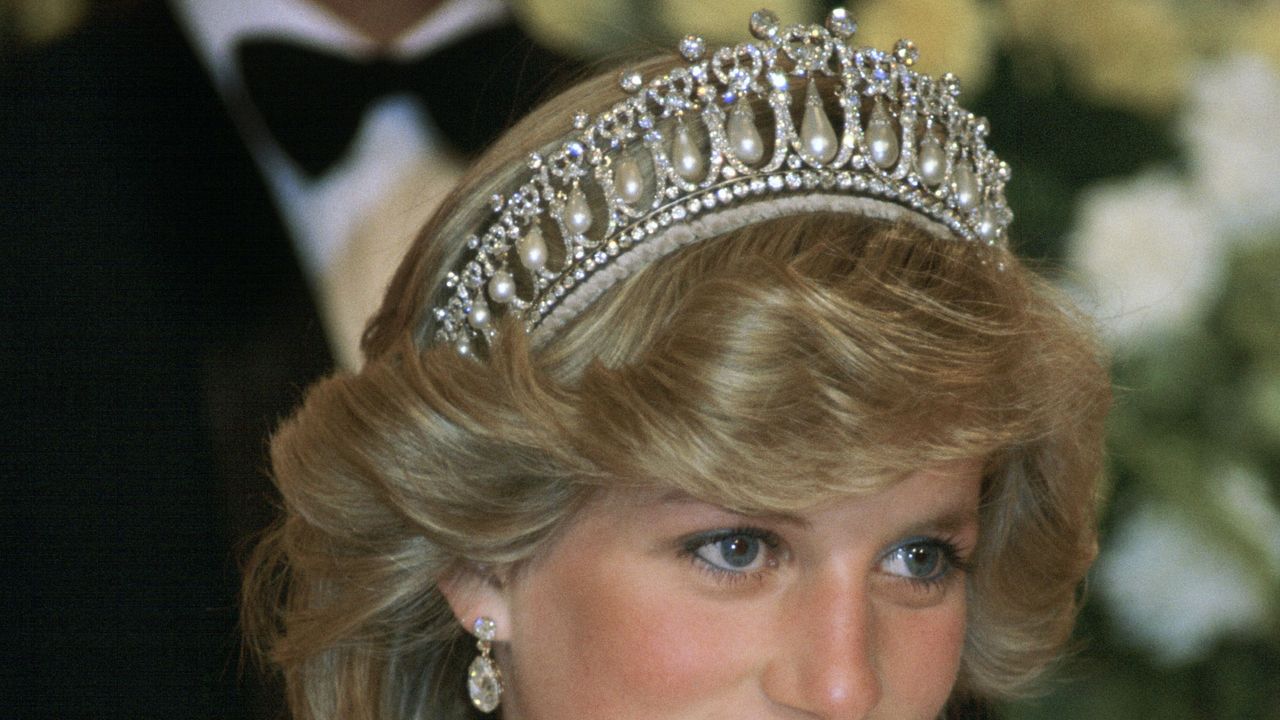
[
  {"x": 1231, "y": 129},
  {"x": 1147, "y": 254},
  {"x": 1174, "y": 589},
  {"x": 1242, "y": 493}
]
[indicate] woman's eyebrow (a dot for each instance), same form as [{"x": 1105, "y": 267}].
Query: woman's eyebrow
[
  {"x": 947, "y": 520},
  {"x": 677, "y": 497}
]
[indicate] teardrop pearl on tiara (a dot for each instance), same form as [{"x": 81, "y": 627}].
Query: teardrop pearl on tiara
[
  {"x": 686, "y": 156},
  {"x": 882, "y": 140},
  {"x": 966, "y": 187},
  {"x": 502, "y": 287},
  {"x": 931, "y": 161},
  {"x": 987, "y": 227},
  {"x": 816, "y": 133},
  {"x": 577, "y": 215},
  {"x": 628, "y": 181},
  {"x": 744, "y": 138},
  {"x": 479, "y": 315},
  {"x": 533, "y": 249}
]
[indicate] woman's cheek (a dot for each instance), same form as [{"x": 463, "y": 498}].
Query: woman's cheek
[
  {"x": 638, "y": 643},
  {"x": 920, "y": 652}
]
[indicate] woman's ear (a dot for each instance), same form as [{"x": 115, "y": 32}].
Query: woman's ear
[{"x": 475, "y": 591}]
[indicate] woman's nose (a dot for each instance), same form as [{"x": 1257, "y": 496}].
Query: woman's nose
[{"x": 825, "y": 662}]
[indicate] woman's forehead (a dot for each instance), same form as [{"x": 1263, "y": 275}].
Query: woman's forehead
[{"x": 773, "y": 499}]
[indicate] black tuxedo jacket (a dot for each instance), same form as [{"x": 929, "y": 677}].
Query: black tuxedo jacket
[{"x": 155, "y": 327}]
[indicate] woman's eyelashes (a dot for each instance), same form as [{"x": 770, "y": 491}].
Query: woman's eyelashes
[
  {"x": 733, "y": 553},
  {"x": 924, "y": 561}
]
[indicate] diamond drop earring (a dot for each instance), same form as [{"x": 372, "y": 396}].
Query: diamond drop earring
[{"x": 484, "y": 681}]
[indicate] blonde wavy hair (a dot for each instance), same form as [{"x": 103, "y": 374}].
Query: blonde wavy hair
[{"x": 763, "y": 370}]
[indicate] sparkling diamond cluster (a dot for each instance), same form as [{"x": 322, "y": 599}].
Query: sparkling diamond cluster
[
  {"x": 484, "y": 682},
  {"x": 902, "y": 137}
]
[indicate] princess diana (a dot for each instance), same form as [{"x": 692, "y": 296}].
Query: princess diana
[{"x": 718, "y": 394}]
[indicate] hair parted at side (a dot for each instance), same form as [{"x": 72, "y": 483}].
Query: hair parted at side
[{"x": 767, "y": 369}]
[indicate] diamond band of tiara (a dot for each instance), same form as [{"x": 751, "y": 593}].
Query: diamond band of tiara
[{"x": 905, "y": 148}]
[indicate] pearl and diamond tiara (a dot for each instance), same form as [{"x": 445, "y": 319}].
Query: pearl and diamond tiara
[{"x": 905, "y": 150}]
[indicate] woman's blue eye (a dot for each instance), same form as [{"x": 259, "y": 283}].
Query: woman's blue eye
[
  {"x": 920, "y": 560},
  {"x": 736, "y": 552}
]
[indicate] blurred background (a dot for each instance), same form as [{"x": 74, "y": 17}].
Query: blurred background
[{"x": 1144, "y": 136}]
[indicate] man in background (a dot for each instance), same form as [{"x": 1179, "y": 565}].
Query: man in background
[{"x": 179, "y": 186}]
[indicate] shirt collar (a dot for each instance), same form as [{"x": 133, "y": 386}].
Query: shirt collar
[{"x": 216, "y": 26}]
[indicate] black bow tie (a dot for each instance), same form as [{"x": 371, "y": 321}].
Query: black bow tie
[{"x": 312, "y": 101}]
